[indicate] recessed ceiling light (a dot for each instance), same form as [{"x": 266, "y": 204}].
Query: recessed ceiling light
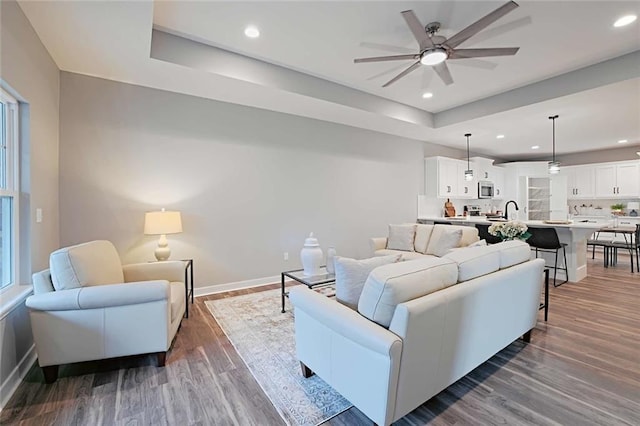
[
  {"x": 500, "y": 137},
  {"x": 427, "y": 95},
  {"x": 252, "y": 32},
  {"x": 535, "y": 147},
  {"x": 625, "y": 20},
  {"x": 623, "y": 141}
]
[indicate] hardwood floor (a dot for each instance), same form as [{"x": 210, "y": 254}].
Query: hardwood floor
[{"x": 582, "y": 367}]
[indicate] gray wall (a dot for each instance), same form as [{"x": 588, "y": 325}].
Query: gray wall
[
  {"x": 251, "y": 184},
  {"x": 29, "y": 73}
]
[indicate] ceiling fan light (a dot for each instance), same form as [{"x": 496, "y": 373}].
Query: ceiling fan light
[
  {"x": 554, "y": 167},
  {"x": 433, "y": 56}
]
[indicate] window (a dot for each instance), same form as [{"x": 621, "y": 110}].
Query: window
[{"x": 9, "y": 189}]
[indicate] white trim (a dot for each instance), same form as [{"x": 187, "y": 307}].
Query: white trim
[
  {"x": 12, "y": 296},
  {"x": 10, "y": 385},
  {"x": 219, "y": 288}
]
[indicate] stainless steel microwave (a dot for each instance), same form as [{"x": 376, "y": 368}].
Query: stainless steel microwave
[{"x": 485, "y": 189}]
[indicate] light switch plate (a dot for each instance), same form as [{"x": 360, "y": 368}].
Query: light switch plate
[{"x": 38, "y": 215}]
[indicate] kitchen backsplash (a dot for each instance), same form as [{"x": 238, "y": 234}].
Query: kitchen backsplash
[
  {"x": 434, "y": 207},
  {"x": 597, "y": 207}
]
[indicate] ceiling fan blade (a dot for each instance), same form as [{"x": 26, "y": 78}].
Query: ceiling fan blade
[
  {"x": 481, "y": 53},
  {"x": 480, "y": 24},
  {"x": 501, "y": 29},
  {"x": 443, "y": 72},
  {"x": 424, "y": 41},
  {"x": 386, "y": 58},
  {"x": 393, "y": 69},
  {"x": 402, "y": 74},
  {"x": 476, "y": 63},
  {"x": 387, "y": 47}
]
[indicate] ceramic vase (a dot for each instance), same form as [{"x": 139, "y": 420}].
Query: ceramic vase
[
  {"x": 331, "y": 253},
  {"x": 311, "y": 256}
]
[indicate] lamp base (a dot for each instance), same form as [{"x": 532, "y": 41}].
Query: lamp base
[{"x": 163, "y": 251}]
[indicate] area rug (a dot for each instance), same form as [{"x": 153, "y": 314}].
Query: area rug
[{"x": 265, "y": 339}]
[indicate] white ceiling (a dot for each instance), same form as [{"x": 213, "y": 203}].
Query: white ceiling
[{"x": 112, "y": 40}]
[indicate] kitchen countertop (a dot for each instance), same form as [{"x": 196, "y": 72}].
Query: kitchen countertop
[{"x": 483, "y": 219}]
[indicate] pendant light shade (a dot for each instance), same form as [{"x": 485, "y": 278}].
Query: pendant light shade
[
  {"x": 554, "y": 166},
  {"x": 468, "y": 174}
]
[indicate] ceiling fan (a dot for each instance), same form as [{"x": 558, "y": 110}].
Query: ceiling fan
[{"x": 435, "y": 49}]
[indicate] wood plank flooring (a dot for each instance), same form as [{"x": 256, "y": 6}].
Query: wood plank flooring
[{"x": 582, "y": 367}]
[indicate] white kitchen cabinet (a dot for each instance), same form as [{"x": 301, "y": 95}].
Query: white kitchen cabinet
[
  {"x": 580, "y": 181},
  {"x": 497, "y": 177},
  {"x": 444, "y": 178},
  {"x": 617, "y": 180}
]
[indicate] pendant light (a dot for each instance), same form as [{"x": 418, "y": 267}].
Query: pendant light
[
  {"x": 468, "y": 174},
  {"x": 554, "y": 166}
]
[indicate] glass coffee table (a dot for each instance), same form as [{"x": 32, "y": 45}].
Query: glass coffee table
[{"x": 323, "y": 278}]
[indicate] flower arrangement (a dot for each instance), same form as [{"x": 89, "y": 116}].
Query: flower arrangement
[{"x": 509, "y": 230}]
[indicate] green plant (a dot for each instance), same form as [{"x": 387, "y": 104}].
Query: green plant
[{"x": 617, "y": 206}]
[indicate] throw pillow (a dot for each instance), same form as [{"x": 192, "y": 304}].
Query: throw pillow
[
  {"x": 351, "y": 275},
  {"x": 401, "y": 237},
  {"x": 443, "y": 239},
  {"x": 478, "y": 243}
]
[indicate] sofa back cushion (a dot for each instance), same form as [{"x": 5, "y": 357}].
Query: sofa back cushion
[
  {"x": 474, "y": 262},
  {"x": 401, "y": 237},
  {"x": 444, "y": 238},
  {"x": 351, "y": 275},
  {"x": 389, "y": 285},
  {"x": 512, "y": 252},
  {"x": 423, "y": 235},
  {"x": 88, "y": 264}
]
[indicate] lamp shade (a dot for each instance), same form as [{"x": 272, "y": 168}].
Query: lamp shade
[{"x": 162, "y": 222}]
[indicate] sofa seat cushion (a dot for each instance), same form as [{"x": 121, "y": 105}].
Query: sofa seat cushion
[
  {"x": 389, "y": 285},
  {"x": 423, "y": 235},
  {"x": 351, "y": 275},
  {"x": 474, "y": 262},
  {"x": 401, "y": 237},
  {"x": 512, "y": 252},
  {"x": 404, "y": 255},
  {"x": 178, "y": 299},
  {"x": 88, "y": 264}
]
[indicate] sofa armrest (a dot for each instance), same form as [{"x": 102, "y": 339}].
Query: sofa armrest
[
  {"x": 172, "y": 271},
  {"x": 344, "y": 320},
  {"x": 377, "y": 243},
  {"x": 102, "y": 296}
]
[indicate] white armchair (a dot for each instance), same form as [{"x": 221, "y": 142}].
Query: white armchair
[{"x": 89, "y": 306}]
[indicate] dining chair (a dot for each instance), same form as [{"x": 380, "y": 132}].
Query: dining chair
[{"x": 545, "y": 240}]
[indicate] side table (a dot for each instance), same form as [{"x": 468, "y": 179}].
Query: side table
[{"x": 188, "y": 284}]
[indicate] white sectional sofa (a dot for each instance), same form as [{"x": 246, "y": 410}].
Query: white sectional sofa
[
  {"x": 427, "y": 241},
  {"x": 420, "y": 325}
]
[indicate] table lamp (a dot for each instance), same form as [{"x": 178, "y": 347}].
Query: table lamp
[
  {"x": 633, "y": 207},
  {"x": 162, "y": 223}
]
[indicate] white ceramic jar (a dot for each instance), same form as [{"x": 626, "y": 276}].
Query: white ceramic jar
[
  {"x": 311, "y": 256},
  {"x": 331, "y": 253}
]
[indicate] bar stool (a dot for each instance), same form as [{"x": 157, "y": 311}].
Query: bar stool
[
  {"x": 442, "y": 222},
  {"x": 483, "y": 234},
  {"x": 546, "y": 240}
]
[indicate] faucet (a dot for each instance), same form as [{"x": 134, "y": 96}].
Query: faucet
[{"x": 506, "y": 208}]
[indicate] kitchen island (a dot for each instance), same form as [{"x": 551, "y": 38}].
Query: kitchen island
[{"x": 574, "y": 235}]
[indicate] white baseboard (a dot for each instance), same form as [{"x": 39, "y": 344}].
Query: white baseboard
[
  {"x": 219, "y": 288},
  {"x": 9, "y": 386}
]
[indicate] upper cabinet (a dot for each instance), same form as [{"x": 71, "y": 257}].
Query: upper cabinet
[
  {"x": 580, "y": 181},
  {"x": 444, "y": 178},
  {"x": 617, "y": 180}
]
